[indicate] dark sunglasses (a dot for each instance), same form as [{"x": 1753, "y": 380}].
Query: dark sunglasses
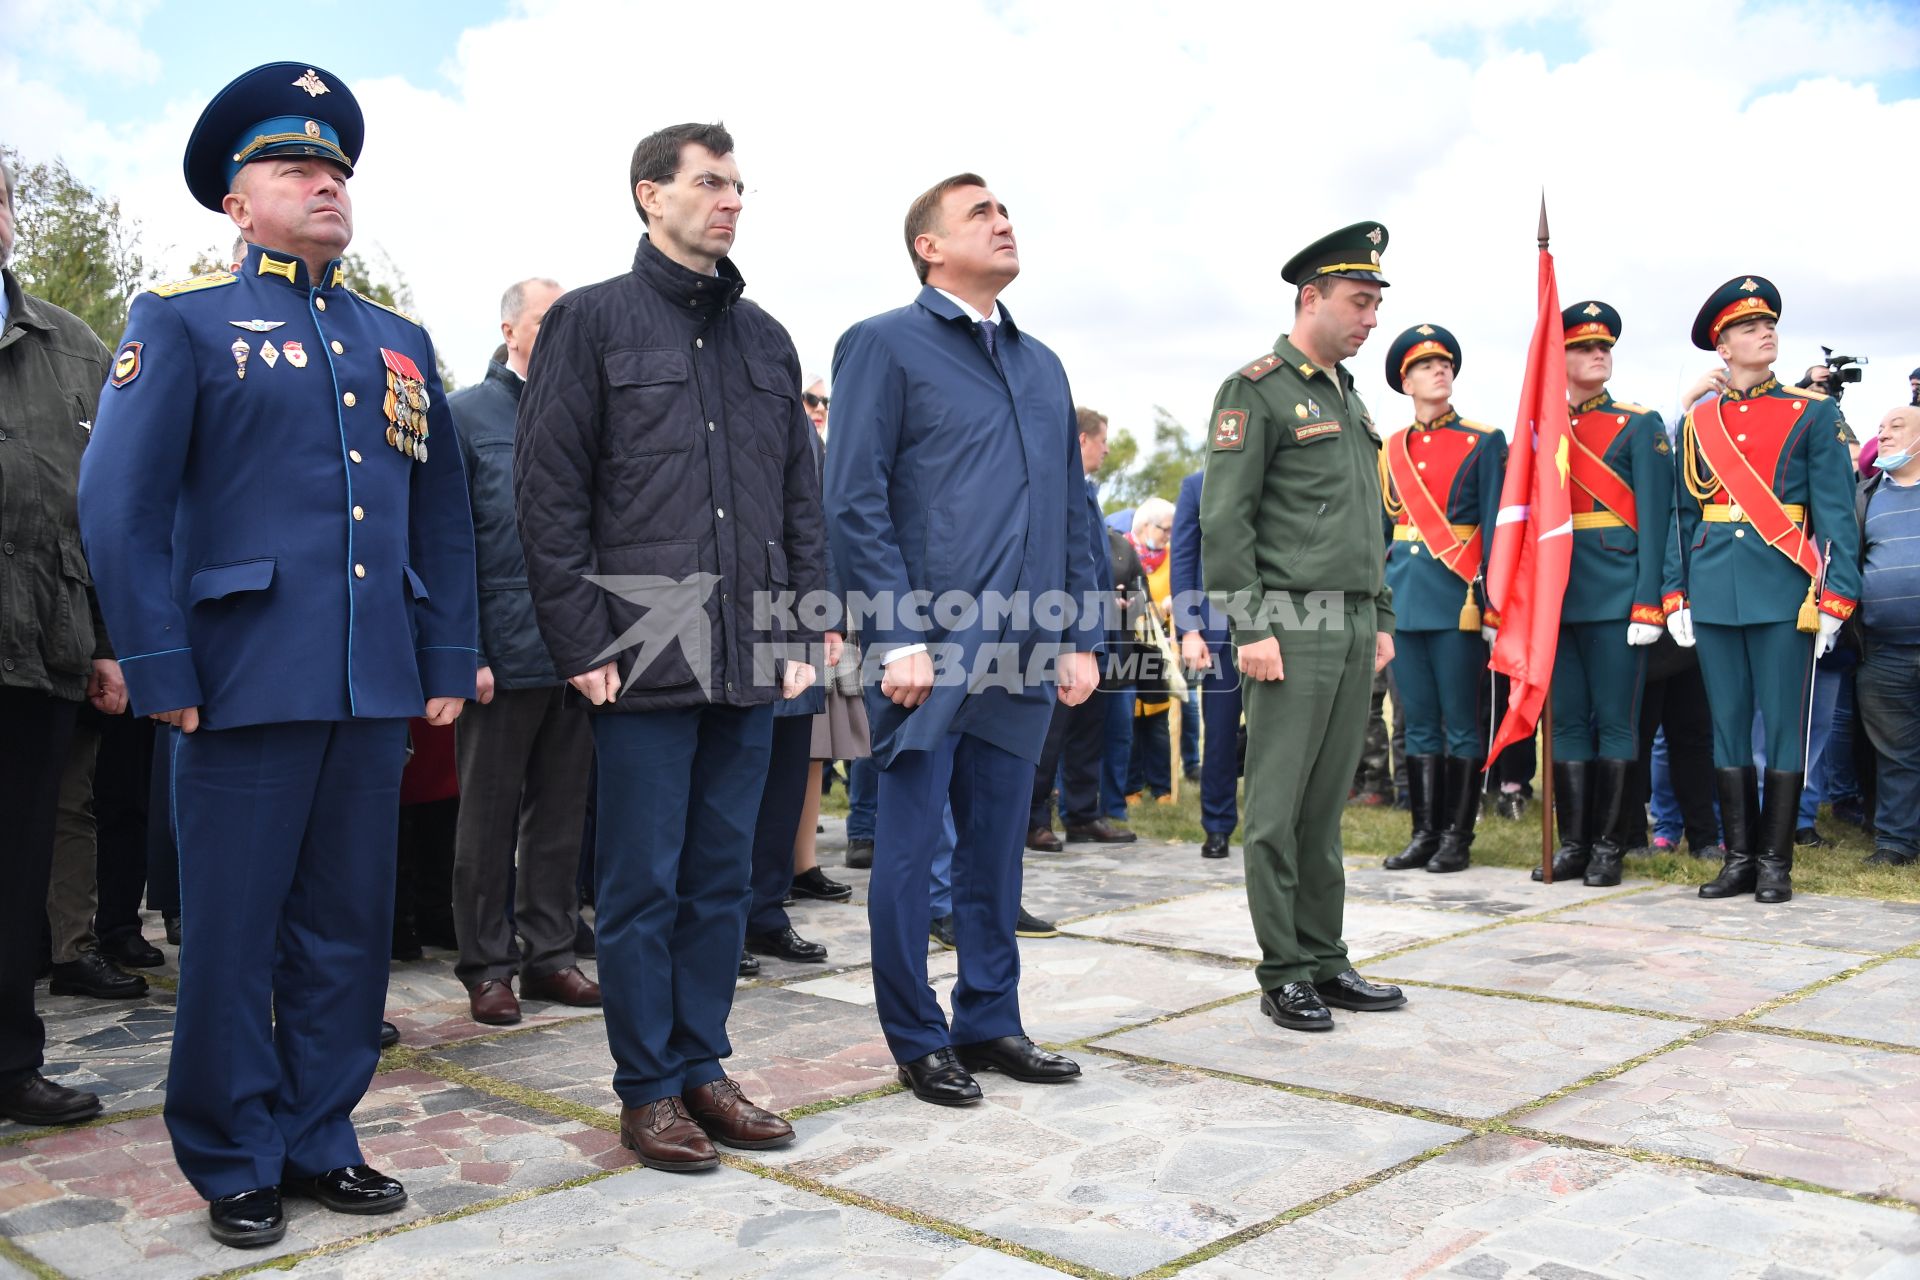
[{"x": 814, "y": 401}]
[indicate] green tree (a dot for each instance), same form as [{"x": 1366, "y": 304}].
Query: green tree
[
  {"x": 74, "y": 247},
  {"x": 1127, "y": 478}
]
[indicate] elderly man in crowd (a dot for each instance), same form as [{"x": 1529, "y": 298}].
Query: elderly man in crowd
[{"x": 1888, "y": 682}]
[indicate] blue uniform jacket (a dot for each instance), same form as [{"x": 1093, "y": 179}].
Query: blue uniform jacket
[
  {"x": 261, "y": 551},
  {"x": 1464, "y": 466},
  {"x": 1616, "y": 572},
  {"x": 947, "y": 476},
  {"x": 1190, "y": 611}
]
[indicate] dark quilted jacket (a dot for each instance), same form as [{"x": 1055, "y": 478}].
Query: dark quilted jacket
[{"x": 661, "y": 436}]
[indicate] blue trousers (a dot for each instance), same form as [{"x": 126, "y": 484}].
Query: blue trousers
[
  {"x": 1219, "y": 689},
  {"x": 1763, "y": 668},
  {"x": 940, "y": 897},
  {"x": 1118, "y": 759},
  {"x": 1439, "y": 677},
  {"x": 286, "y": 847},
  {"x": 778, "y": 822},
  {"x": 678, "y": 795},
  {"x": 987, "y": 787},
  {"x": 863, "y": 781},
  {"x": 1887, "y": 687},
  {"x": 1190, "y": 731}
]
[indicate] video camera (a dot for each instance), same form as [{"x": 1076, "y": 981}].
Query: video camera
[{"x": 1840, "y": 371}]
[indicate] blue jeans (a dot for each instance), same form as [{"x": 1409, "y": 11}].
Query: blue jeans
[
  {"x": 1119, "y": 755},
  {"x": 1840, "y": 782},
  {"x": 863, "y": 785},
  {"x": 1664, "y": 803},
  {"x": 1887, "y": 692},
  {"x": 1190, "y": 731},
  {"x": 941, "y": 897}
]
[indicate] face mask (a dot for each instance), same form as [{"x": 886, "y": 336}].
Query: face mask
[{"x": 1893, "y": 461}]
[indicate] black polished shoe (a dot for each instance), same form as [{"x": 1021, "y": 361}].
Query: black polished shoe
[
  {"x": 38, "y": 1100},
  {"x": 1885, "y": 857},
  {"x": 940, "y": 1079},
  {"x": 813, "y": 883},
  {"x": 785, "y": 944},
  {"x": 1810, "y": 838},
  {"x": 1351, "y": 991},
  {"x": 1030, "y": 925},
  {"x": 860, "y": 854},
  {"x": 1100, "y": 831},
  {"x": 133, "y": 951},
  {"x": 389, "y": 1034},
  {"x": 1019, "y": 1057},
  {"x": 354, "y": 1188},
  {"x": 249, "y": 1220},
  {"x": 941, "y": 930},
  {"x": 1215, "y": 846},
  {"x": 1511, "y": 805},
  {"x": 91, "y": 975},
  {"x": 749, "y": 965},
  {"x": 1298, "y": 1007},
  {"x": 172, "y": 925}
]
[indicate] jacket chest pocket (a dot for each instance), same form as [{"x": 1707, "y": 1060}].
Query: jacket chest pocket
[
  {"x": 775, "y": 393},
  {"x": 651, "y": 407}
]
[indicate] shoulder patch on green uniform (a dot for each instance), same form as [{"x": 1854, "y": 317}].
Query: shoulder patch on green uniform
[
  {"x": 1808, "y": 392},
  {"x": 383, "y": 306},
  {"x": 1260, "y": 368},
  {"x": 1230, "y": 429},
  {"x": 1660, "y": 444},
  {"x": 212, "y": 280}
]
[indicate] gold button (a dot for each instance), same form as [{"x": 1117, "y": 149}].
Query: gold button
[
  {"x": 359, "y": 513},
  {"x": 348, "y": 400},
  {"x": 320, "y": 303},
  {"x": 359, "y": 571},
  {"x": 698, "y": 343},
  {"x": 354, "y": 454},
  {"x": 338, "y": 349}
]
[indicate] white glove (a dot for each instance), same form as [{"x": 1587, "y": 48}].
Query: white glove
[
  {"x": 1829, "y": 632},
  {"x": 1487, "y": 634},
  {"x": 1643, "y": 633},
  {"x": 1680, "y": 624}
]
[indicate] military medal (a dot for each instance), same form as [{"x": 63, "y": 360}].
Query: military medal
[
  {"x": 295, "y": 353},
  {"x": 269, "y": 353},
  {"x": 257, "y": 326},
  {"x": 240, "y": 352},
  {"x": 406, "y": 405}
]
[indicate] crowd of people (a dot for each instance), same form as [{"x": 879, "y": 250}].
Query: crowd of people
[{"x": 324, "y": 666}]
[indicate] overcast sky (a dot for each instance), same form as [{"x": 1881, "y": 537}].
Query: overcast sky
[{"x": 1161, "y": 161}]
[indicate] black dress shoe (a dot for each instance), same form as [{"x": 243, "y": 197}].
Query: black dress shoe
[
  {"x": 859, "y": 854},
  {"x": 172, "y": 924},
  {"x": 1019, "y": 1057},
  {"x": 1100, "y": 831},
  {"x": 1298, "y": 1007},
  {"x": 785, "y": 944},
  {"x": 133, "y": 951},
  {"x": 813, "y": 883},
  {"x": 1029, "y": 925},
  {"x": 1216, "y": 845},
  {"x": 940, "y": 1079},
  {"x": 249, "y": 1220},
  {"x": 353, "y": 1188},
  {"x": 91, "y": 975},
  {"x": 749, "y": 965},
  {"x": 941, "y": 930},
  {"x": 1351, "y": 991},
  {"x": 389, "y": 1035},
  {"x": 38, "y": 1100}
]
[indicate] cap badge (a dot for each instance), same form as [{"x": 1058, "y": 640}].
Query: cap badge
[
  {"x": 313, "y": 129},
  {"x": 1374, "y": 235},
  {"x": 312, "y": 83},
  {"x": 1425, "y": 331},
  {"x": 1376, "y": 257},
  {"x": 1592, "y": 309},
  {"x": 1749, "y": 285}
]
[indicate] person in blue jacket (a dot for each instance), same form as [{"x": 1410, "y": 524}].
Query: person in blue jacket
[
  {"x": 276, "y": 519},
  {"x": 1204, "y": 648}
]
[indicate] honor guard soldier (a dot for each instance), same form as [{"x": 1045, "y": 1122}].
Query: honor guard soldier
[
  {"x": 1291, "y": 548},
  {"x": 1440, "y": 485},
  {"x": 1621, "y": 467},
  {"x": 1763, "y": 573},
  {"x": 277, "y": 523}
]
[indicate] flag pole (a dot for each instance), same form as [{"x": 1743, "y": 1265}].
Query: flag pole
[{"x": 1546, "y": 713}]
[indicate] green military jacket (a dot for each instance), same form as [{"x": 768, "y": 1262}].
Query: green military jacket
[{"x": 1291, "y": 500}]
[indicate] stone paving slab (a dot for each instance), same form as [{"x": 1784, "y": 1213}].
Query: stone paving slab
[
  {"x": 1881, "y": 1004},
  {"x": 1847, "y": 924},
  {"x": 840, "y": 926},
  {"x": 429, "y": 1005},
  {"x": 1126, "y": 1169},
  {"x": 1502, "y": 1206},
  {"x": 646, "y": 1224},
  {"x": 1494, "y": 891},
  {"x": 1218, "y": 923},
  {"x": 1691, "y": 975},
  {"x": 1446, "y": 1051},
  {"x": 117, "y": 1049},
  {"x": 1833, "y": 1115},
  {"x": 1071, "y": 988},
  {"x": 109, "y": 1200},
  {"x": 789, "y": 1049}
]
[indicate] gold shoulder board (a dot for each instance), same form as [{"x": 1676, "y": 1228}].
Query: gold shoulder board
[
  {"x": 1481, "y": 427},
  {"x": 1808, "y": 392},
  {"x": 383, "y": 306},
  {"x": 1631, "y": 408},
  {"x": 211, "y": 281}
]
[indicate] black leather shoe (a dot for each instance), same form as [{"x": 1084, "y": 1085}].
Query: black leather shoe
[
  {"x": 1298, "y": 1007},
  {"x": 859, "y": 854},
  {"x": 940, "y": 1079},
  {"x": 1216, "y": 845},
  {"x": 1019, "y": 1057},
  {"x": 1044, "y": 840},
  {"x": 941, "y": 930},
  {"x": 1100, "y": 831},
  {"x": 813, "y": 883},
  {"x": 749, "y": 965},
  {"x": 353, "y": 1188},
  {"x": 249, "y": 1220},
  {"x": 91, "y": 975},
  {"x": 133, "y": 951},
  {"x": 785, "y": 944},
  {"x": 389, "y": 1035},
  {"x": 1885, "y": 857},
  {"x": 172, "y": 924},
  {"x": 1351, "y": 991},
  {"x": 38, "y": 1100},
  {"x": 1029, "y": 925}
]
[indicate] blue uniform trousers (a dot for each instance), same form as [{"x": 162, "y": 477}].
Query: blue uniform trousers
[
  {"x": 778, "y": 823},
  {"x": 985, "y": 785},
  {"x": 863, "y": 781},
  {"x": 1117, "y": 759},
  {"x": 679, "y": 791},
  {"x": 286, "y": 843},
  {"x": 1439, "y": 677},
  {"x": 1767, "y": 668},
  {"x": 1219, "y": 689},
  {"x": 1597, "y": 679}
]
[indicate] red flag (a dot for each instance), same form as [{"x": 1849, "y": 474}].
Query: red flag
[{"x": 1533, "y": 538}]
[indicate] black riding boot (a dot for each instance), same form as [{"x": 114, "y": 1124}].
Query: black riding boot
[
  {"x": 1739, "y": 815},
  {"x": 1460, "y": 806},
  {"x": 1611, "y": 781},
  {"x": 1423, "y": 791},
  {"x": 1573, "y": 810},
  {"x": 1778, "y": 817}
]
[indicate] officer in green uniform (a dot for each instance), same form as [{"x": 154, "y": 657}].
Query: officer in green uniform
[
  {"x": 1621, "y": 471},
  {"x": 1764, "y": 572},
  {"x": 1440, "y": 486},
  {"x": 1291, "y": 547}
]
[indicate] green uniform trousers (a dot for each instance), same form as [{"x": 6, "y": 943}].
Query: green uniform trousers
[
  {"x": 1304, "y": 735},
  {"x": 1597, "y": 679},
  {"x": 1766, "y": 667}
]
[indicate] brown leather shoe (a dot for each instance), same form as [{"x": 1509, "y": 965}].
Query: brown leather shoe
[
  {"x": 492, "y": 1002},
  {"x": 726, "y": 1115},
  {"x": 665, "y": 1137},
  {"x": 1043, "y": 839},
  {"x": 562, "y": 986}
]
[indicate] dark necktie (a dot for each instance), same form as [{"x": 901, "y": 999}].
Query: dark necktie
[{"x": 990, "y": 334}]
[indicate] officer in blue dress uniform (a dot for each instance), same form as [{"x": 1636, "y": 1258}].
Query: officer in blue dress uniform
[
  {"x": 1440, "y": 480},
  {"x": 276, "y": 519},
  {"x": 1621, "y": 471},
  {"x": 1764, "y": 572}
]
